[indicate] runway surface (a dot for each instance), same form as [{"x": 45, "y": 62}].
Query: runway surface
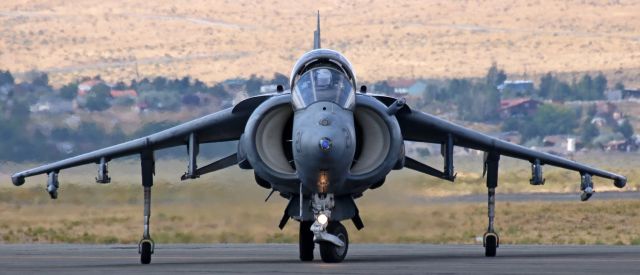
[
  {"x": 282, "y": 258},
  {"x": 520, "y": 197}
]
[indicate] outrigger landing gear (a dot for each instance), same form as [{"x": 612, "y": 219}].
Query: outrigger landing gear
[
  {"x": 491, "y": 241},
  {"x": 146, "y": 245}
]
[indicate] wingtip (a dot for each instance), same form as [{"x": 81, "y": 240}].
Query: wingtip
[
  {"x": 17, "y": 180},
  {"x": 620, "y": 182}
]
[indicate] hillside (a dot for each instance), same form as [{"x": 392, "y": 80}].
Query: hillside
[{"x": 216, "y": 40}]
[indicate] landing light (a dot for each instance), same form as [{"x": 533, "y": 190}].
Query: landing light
[{"x": 322, "y": 219}]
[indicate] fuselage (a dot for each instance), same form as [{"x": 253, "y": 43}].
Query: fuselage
[
  {"x": 323, "y": 138},
  {"x": 324, "y": 145},
  {"x": 317, "y": 139}
]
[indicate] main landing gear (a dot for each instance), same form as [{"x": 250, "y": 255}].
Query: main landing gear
[
  {"x": 491, "y": 241},
  {"x": 146, "y": 245}
]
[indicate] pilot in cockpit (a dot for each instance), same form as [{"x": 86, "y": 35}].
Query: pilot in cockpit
[
  {"x": 323, "y": 79},
  {"x": 323, "y": 84}
]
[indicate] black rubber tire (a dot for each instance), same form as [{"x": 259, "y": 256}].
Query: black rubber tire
[
  {"x": 491, "y": 245},
  {"x": 306, "y": 241},
  {"x": 145, "y": 253},
  {"x": 331, "y": 253}
]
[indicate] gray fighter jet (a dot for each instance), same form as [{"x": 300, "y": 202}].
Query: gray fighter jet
[{"x": 321, "y": 145}]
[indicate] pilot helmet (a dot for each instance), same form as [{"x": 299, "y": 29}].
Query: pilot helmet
[{"x": 323, "y": 78}]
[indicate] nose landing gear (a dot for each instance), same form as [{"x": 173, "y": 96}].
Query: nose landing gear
[
  {"x": 331, "y": 235},
  {"x": 330, "y": 252}
]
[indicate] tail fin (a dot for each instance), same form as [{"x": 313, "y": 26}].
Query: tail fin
[{"x": 316, "y": 35}]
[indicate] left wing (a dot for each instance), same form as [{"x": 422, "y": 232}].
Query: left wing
[
  {"x": 224, "y": 125},
  {"x": 422, "y": 127}
]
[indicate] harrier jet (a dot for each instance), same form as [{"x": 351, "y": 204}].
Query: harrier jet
[{"x": 320, "y": 145}]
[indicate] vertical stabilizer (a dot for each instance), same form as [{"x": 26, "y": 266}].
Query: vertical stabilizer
[{"x": 316, "y": 35}]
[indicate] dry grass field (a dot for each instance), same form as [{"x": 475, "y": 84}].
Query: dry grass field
[
  {"x": 228, "y": 206},
  {"x": 215, "y": 40}
]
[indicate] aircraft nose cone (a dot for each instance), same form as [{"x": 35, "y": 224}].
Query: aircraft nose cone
[{"x": 325, "y": 144}]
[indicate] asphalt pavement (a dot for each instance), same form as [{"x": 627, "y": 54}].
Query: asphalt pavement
[{"x": 283, "y": 258}]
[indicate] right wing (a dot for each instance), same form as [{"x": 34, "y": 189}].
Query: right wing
[
  {"x": 422, "y": 127},
  {"x": 224, "y": 125}
]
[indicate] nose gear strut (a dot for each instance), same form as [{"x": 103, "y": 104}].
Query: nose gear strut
[{"x": 331, "y": 235}]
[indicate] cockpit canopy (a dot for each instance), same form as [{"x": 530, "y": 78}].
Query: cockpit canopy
[
  {"x": 323, "y": 84},
  {"x": 323, "y": 75}
]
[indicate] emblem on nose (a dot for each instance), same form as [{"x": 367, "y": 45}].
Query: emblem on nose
[{"x": 325, "y": 144}]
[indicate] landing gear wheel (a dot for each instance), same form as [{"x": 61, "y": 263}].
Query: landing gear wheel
[
  {"x": 331, "y": 253},
  {"x": 145, "y": 249},
  {"x": 490, "y": 244},
  {"x": 306, "y": 241}
]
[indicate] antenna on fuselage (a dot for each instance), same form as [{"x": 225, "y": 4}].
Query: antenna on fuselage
[{"x": 316, "y": 35}]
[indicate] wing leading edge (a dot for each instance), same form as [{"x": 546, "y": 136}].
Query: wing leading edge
[
  {"x": 224, "y": 125},
  {"x": 422, "y": 127}
]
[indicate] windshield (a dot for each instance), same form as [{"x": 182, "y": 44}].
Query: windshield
[{"x": 323, "y": 84}]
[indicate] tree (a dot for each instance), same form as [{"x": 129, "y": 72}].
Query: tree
[
  {"x": 253, "y": 85},
  {"x": 548, "y": 120},
  {"x": 554, "y": 120},
  {"x": 561, "y": 91},
  {"x": 383, "y": 87},
  {"x": 430, "y": 93},
  {"x": 6, "y": 78},
  {"x": 198, "y": 86},
  {"x": 159, "y": 83},
  {"x": 547, "y": 84},
  {"x": 280, "y": 79},
  {"x": 591, "y": 88},
  {"x": 69, "y": 91},
  {"x": 588, "y": 131},
  {"x": 184, "y": 83},
  {"x": 599, "y": 86},
  {"x": 40, "y": 79},
  {"x": 626, "y": 129},
  {"x": 476, "y": 102},
  {"x": 90, "y": 133},
  {"x": 121, "y": 86},
  {"x": 495, "y": 76},
  {"x": 162, "y": 100},
  {"x": 220, "y": 92},
  {"x": 99, "y": 97}
]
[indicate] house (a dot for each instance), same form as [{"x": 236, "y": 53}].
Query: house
[
  {"x": 561, "y": 144},
  {"x": 518, "y": 107},
  {"x": 630, "y": 94},
  {"x": 85, "y": 86},
  {"x": 516, "y": 88},
  {"x": 613, "y": 95},
  {"x": 599, "y": 121},
  {"x": 605, "y": 108},
  {"x": 268, "y": 89},
  {"x": 52, "y": 105},
  {"x": 408, "y": 87},
  {"x": 124, "y": 93},
  {"x": 620, "y": 145},
  {"x": 234, "y": 84}
]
